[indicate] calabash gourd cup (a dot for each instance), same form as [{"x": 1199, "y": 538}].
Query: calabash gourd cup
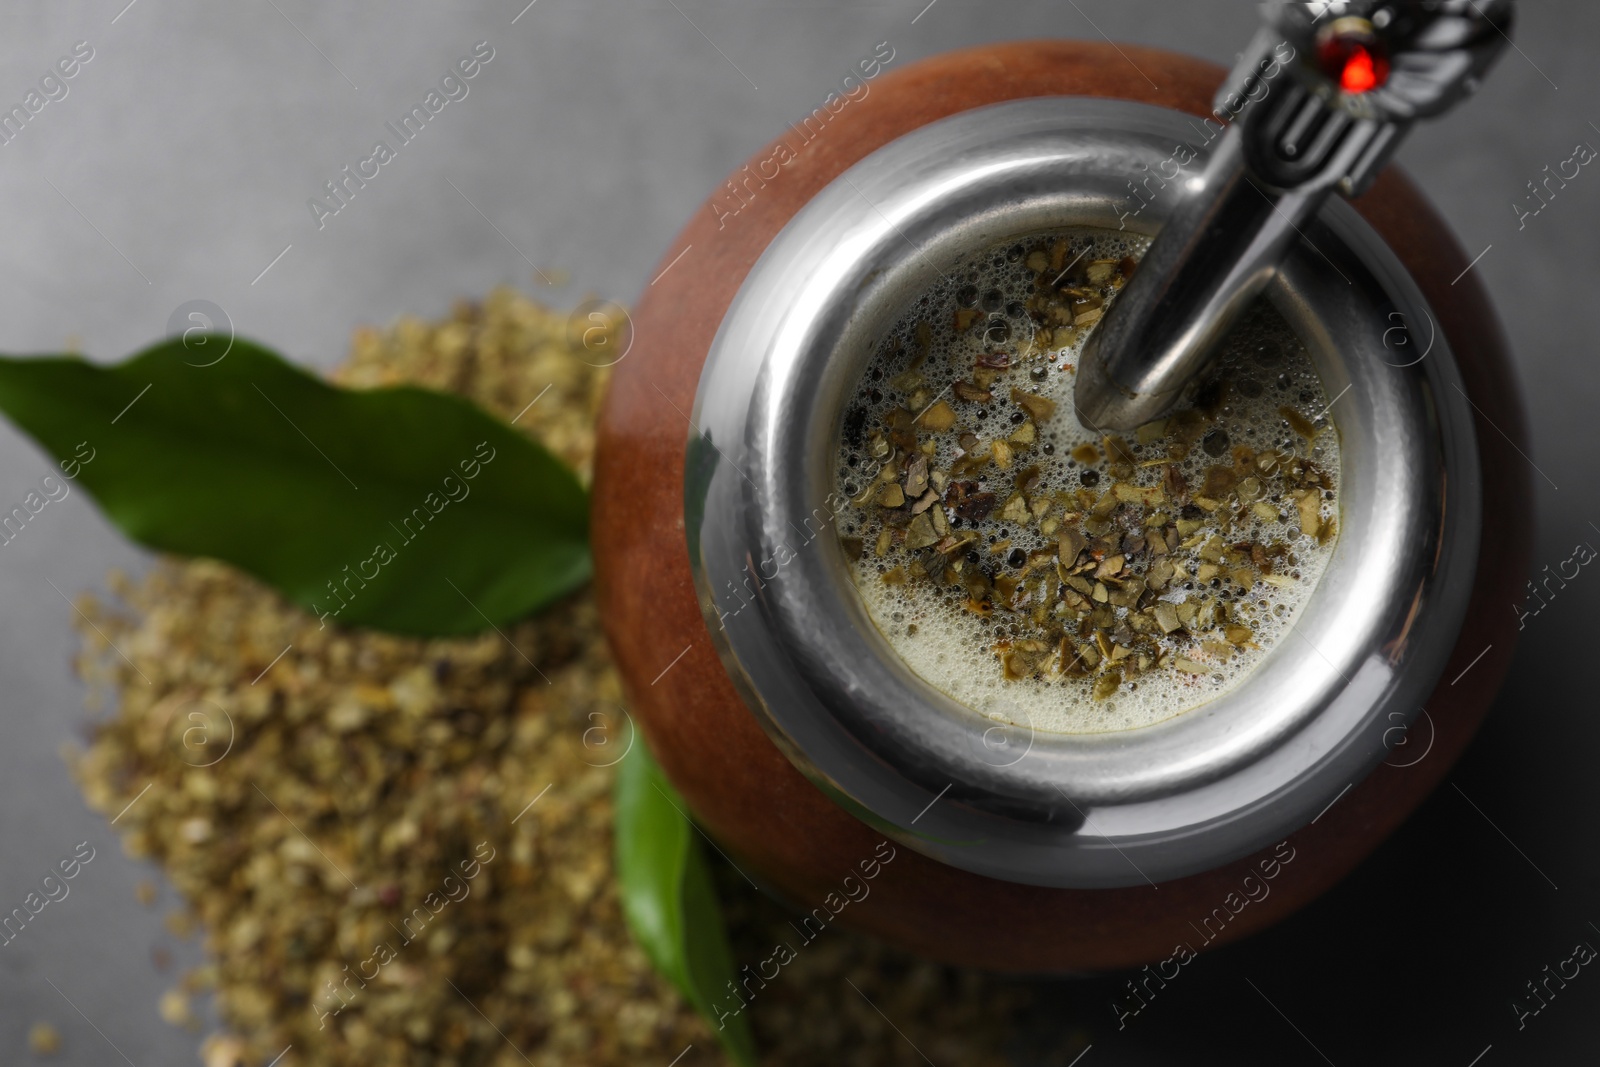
[{"x": 802, "y": 744}]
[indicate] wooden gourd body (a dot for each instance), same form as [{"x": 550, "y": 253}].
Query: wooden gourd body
[{"x": 776, "y": 824}]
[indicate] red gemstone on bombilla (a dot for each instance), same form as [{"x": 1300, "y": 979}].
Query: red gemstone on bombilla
[{"x": 1358, "y": 65}]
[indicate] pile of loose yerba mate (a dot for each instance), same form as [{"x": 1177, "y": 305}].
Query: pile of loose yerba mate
[{"x": 448, "y": 800}]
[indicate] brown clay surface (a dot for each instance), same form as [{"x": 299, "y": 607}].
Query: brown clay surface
[{"x": 746, "y": 793}]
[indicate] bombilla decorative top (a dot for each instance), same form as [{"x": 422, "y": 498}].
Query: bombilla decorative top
[{"x": 1318, "y": 102}]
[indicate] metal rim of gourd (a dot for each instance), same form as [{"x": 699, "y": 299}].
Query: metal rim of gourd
[{"x": 1320, "y": 711}]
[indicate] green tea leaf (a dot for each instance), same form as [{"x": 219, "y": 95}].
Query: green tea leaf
[
  {"x": 669, "y": 900},
  {"x": 400, "y": 509}
]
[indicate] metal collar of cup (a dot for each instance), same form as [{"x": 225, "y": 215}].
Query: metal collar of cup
[{"x": 1320, "y": 711}]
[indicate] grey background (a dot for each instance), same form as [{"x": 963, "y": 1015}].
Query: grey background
[{"x": 179, "y": 166}]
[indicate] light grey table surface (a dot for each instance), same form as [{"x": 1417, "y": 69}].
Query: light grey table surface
[{"x": 178, "y": 167}]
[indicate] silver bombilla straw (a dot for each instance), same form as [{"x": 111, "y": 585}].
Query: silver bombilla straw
[{"x": 1318, "y": 103}]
